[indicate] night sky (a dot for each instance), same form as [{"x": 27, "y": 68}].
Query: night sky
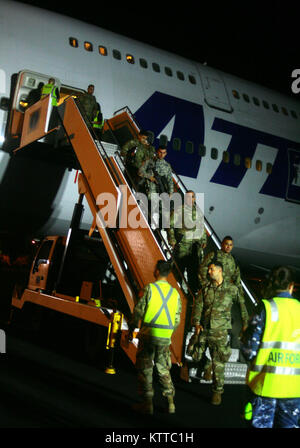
[{"x": 257, "y": 41}]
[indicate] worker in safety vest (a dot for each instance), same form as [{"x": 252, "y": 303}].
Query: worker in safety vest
[
  {"x": 51, "y": 89},
  {"x": 98, "y": 122},
  {"x": 159, "y": 312},
  {"x": 271, "y": 344}
]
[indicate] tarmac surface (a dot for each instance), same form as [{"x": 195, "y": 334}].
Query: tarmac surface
[{"x": 47, "y": 382}]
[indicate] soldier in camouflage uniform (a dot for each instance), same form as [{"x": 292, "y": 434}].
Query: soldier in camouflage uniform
[
  {"x": 155, "y": 337},
  {"x": 158, "y": 177},
  {"x": 188, "y": 237},
  {"x": 231, "y": 269},
  {"x": 89, "y": 103},
  {"x": 135, "y": 153},
  {"x": 231, "y": 273},
  {"x": 212, "y": 317}
]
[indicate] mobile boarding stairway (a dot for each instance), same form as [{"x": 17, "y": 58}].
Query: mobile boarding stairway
[{"x": 133, "y": 252}]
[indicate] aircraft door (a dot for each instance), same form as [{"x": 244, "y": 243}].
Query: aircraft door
[
  {"x": 293, "y": 183},
  {"x": 27, "y": 85},
  {"x": 215, "y": 92}
]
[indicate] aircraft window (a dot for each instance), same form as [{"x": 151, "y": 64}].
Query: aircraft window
[
  {"x": 275, "y": 108},
  {"x": 168, "y": 71},
  {"x": 266, "y": 104},
  {"x": 285, "y": 112},
  {"x": 226, "y": 157},
  {"x": 117, "y": 55},
  {"x": 214, "y": 153},
  {"x": 246, "y": 98},
  {"x": 180, "y": 76},
  {"x": 130, "y": 59},
  {"x": 237, "y": 159},
  {"x": 256, "y": 101},
  {"x": 202, "y": 150},
  {"x": 192, "y": 79},
  {"x": 293, "y": 113},
  {"x": 163, "y": 140},
  {"x": 156, "y": 67},
  {"x": 73, "y": 42},
  {"x": 269, "y": 168},
  {"x": 189, "y": 147},
  {"x": 102, "y": 50},
  {"x": 258, "y": 165},
  {"x": 247, "y": 162},
  {"x": 236, "y": 94},
  {"x": 88, "y": 46},
  {"x": 176, "y": 144},
  {"x": 143, "y": 63}
]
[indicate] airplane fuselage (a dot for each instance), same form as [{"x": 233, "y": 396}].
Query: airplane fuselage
[{"x": 226, "y": 138}]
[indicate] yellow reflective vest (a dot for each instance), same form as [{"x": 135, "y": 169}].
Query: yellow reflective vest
[
  {"x": 95, "y": 122},
  {"x": 161, "y": 310},
  {"x": 275, "y": 372},
  {"x": 50, "y": 89}
]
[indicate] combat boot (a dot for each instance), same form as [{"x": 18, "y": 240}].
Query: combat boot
[
  {"x": 216, "y": 398},
  {"x": 171, "y": 405},
  {"x": 145, "y": 407}
]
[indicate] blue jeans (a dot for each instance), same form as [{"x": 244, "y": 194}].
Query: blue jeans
[{"x": 275, "y": 412}]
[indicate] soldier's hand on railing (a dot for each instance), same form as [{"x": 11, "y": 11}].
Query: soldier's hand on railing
[{"x": 198, "y": 329}]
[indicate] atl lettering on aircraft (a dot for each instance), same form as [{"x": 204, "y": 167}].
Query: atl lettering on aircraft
[{"x": 284, "y": 180}]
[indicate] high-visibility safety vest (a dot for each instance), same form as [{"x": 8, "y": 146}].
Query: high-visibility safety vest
[
  {"x": 161, "y": 310},
  {"x": 275, "y": 372},
  {"x": 95, "y": 122},
  {"x": 50, "y": 89}
]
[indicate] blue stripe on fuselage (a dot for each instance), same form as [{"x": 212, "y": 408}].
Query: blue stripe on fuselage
[
  {"x": 244, "y": 141},
  {"x": 160, "y": 108},
  {"x": 157, "y": 112}
]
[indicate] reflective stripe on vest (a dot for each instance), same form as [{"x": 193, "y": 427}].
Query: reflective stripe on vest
[
  {"x": 276, "y": 370},
  {"x": 161, "y": 310},
  {"x": 49, "y": 89},
  {"x": 95, "y": 122}
]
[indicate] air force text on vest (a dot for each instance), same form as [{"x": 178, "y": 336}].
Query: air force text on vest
[{"x": 283, "y": 358}]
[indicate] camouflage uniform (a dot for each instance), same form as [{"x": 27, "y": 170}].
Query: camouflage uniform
[
  {"x": 212, "y": 310},
  {"x": 231, "y": 271},
  {"x": 89, "y": 104},
  {"x": 152, "y": 350},
  {"x": 149, "y": 169},
  {"x": 189, "y": 241},
  {"x": 163, "y": 169},
  {"x": 142, "y": 153}
]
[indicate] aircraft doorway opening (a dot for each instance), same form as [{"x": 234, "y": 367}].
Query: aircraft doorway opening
[
  {"x": 26, "y": 92},
  {"x": 66, "y": 91}
]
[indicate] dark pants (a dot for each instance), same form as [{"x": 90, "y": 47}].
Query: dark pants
[
  {"x": 275, "y": 412},
  {"x": 147, "y": 356}
]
